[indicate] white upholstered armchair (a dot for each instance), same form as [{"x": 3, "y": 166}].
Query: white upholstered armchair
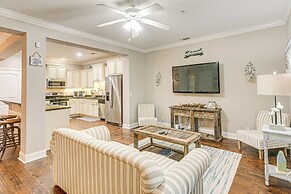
[
  {"x": 254, "y": 138},
  {"x": 146, "y": 115}
]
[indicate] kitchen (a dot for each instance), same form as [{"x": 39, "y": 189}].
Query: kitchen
[{"x": 75, "y": 89}]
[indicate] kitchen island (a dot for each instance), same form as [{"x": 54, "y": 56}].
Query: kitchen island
[{"x": 55, "y": 117}]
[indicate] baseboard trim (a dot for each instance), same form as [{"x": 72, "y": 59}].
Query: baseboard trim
[
  {"x": 130, "y": 126},
  {"x": 31, "y": 157},
  {"x": 206, "y": 130}
]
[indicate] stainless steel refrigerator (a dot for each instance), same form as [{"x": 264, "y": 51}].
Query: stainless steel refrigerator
[{"x": 113, "y": 101}]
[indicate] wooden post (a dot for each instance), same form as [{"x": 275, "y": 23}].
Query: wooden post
[
  {"x": 135, "y": 141},
  {"x": 261, "y": 154},
  {"x": 239, "y": 145},
  {"x": 186, "y": 150}
]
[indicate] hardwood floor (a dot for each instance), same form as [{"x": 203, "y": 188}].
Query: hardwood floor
[{"x": 37, "y": 177}]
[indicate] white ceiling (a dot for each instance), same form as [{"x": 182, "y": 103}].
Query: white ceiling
[
  {"x": 65, "y": 53},
  {"x": 201, "y": 17}
]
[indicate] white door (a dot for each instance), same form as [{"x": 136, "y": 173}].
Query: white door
[{"x": 10, "y": 85}]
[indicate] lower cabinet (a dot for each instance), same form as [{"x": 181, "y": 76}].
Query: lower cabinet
[{"x": 84, "y": 107}]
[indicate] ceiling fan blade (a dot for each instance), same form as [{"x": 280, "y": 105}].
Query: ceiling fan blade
[
  {"x": 155, "y": 24},
  {"x": 151, "y": 9},
  {"x": 112, "y": 9},
  {"x": 112, "y": 22}
]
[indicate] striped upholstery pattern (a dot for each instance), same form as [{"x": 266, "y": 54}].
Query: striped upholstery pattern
[
  {"x": 254, "y": 138},
  {"x": 145, "y": 121},
  {"x": 100, "y": 132},
  {"x": 186, "y": 175},
  {"x": 84, "y": 164}
]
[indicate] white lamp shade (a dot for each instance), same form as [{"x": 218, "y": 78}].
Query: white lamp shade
[{"x": 274, "y": 84}]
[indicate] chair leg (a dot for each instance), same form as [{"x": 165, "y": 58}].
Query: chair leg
[
  {"x": 239, "y": 145},
  {"x": 261, "y": 154},
  {"x": 285, "y": 152}
]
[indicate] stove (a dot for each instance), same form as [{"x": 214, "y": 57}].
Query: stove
[{"x": 57, "y": 98}]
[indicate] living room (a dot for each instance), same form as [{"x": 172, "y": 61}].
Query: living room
[{"x": 261, "y": 41}]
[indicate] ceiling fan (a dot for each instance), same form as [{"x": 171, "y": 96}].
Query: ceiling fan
[{"x": 132, "y": 17}]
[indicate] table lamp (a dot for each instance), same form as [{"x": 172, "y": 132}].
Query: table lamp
[{"x": 274, "y": 85}]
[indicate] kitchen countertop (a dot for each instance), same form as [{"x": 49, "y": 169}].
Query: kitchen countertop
[{"x": 56, "y": 107}]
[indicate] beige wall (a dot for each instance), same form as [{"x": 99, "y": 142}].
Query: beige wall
[
  {"x": 238, "y": 98},
  {"x": 288, "y": 25},
  {"x": 34, "y": 90}
]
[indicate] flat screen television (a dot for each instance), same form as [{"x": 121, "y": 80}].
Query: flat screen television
[{"x": 196, "y": 78}]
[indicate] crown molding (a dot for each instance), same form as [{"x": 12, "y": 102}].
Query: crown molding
[
  {"x": 45, "y": 24},
  {"x": 49, "y": 25},
  {"x": 288, "y": 10},
  {"x": 218, "y": 36}
]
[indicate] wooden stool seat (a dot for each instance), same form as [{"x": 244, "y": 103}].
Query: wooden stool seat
[
  {"x": 8, "y": 137},
  {"x": 5, "y": 117}
]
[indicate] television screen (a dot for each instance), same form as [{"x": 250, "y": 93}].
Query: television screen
[{"x": 196, "y": 78}]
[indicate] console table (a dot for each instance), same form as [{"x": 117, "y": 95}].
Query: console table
[
  {"x": 193, "y": 114},
  {"x": 274, "y": 135}
]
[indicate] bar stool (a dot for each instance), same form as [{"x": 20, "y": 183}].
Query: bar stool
[{"x": 8, "y": 137}]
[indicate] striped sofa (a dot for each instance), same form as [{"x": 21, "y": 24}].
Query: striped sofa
[
  {"x": 87, "y": 162},
  {"x": 254, "y": 138}
]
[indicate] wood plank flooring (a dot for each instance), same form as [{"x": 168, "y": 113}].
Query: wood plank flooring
[{"x": 37, "y": 177}]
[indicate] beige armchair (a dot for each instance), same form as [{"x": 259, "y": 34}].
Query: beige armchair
[
  {"x": 254, "y": 138},
  {"x": 146, "y": 115}
]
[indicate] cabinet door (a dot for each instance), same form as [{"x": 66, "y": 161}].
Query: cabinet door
[
  {"x": 76, "y": 79},
  {"x": 119, "y": 67},
  {"x": 91, "y": 109},
  {"x": 111, "y": 67},
  {"x": 51, "y": 72},
  {"x": 81, "y": 107},
  {"x": 61, "y": 73},
  {"x": 73, "y": 105},
  {"x": 69, "y": 82},
  {"x": 96, "y": 109},
  {"x": 83, "y": 78},
  {"x": 10, "y": 85},
  {"x": 90, "y": 83}
]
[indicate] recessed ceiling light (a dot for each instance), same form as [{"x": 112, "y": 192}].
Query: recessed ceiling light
[
  {"x": 79, "y": 54},
  {"x": 182, "y": 11},
  {"x": 63, "y": 59}
]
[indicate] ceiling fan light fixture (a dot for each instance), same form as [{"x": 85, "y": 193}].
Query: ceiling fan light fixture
[{"x": 132, "y": 26}]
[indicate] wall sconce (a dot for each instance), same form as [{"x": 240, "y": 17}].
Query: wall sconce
[
  {"x": 250, "y": 72},
  {"x": 158, "y": 78}
]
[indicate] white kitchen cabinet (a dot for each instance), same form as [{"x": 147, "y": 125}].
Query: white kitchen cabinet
[
  {"x": 76, "y": 79},
  {"x": 90, "y": 80},
  {"x": 83, "y": 78},
  {"x": 115, "y": 67},
  {"x": 99, "y": 72},
  {"x": 74, "y": 106},
  {"x": 10, "y": 85},
  {"x": 56, "y": 72},
  {"x": 69, "y": 80},
  {"x": 95, "y": 112}
]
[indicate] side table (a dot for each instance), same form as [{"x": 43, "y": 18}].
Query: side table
[{"x": 274, "y": 135}]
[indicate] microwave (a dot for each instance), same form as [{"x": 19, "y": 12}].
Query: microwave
[{"x": 56, "y": 83}]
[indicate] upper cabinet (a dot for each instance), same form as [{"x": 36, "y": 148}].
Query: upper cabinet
[
  {"x": 56, "y": 72},
  {"x": 98, "y": 72},
  {"x": 90, "y": 79},
  {"x": 10, "y": 85},
  {"x": 115, "y": 67}
]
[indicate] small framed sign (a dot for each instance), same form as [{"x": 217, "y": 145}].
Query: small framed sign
[{"x": 36, "y": 60}]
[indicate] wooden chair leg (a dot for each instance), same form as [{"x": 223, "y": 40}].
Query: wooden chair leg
[
  {"x": 261, "y": 154},
  {"x": 285, "y": 152},
  {"x": 239, "y": 145}
]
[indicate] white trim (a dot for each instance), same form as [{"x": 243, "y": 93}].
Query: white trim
[
  {"x": 129, "y": 126},
  {"x": 218, "y": 36},
  {"x": 45, "y": 24},
  {"x": 31, "y": 157},
  {"x": 9, "y": 69},
  {"x": 287, "y": 11},
  {"x": 38, "y": 22}
]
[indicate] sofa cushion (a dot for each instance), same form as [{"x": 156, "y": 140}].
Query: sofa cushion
[
  {"x": 164, "y": 162},
  {"x": 99, "y": 132}
]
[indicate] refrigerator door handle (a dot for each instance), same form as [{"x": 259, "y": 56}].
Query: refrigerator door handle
[{"x": 111, "y": 99}]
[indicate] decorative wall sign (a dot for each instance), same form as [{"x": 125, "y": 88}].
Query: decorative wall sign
[
  {"x": 158, "y": 78},
  {"x": 189, "y": 53},
  {"x": 250, "y": 71},
  {"x": 35, "y": 60}
]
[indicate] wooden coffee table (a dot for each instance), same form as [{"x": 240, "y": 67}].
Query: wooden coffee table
[{"x": 181, "y": 137}]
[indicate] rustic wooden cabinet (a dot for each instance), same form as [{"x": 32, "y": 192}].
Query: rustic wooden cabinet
[{"x": 190, "y": 118}]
